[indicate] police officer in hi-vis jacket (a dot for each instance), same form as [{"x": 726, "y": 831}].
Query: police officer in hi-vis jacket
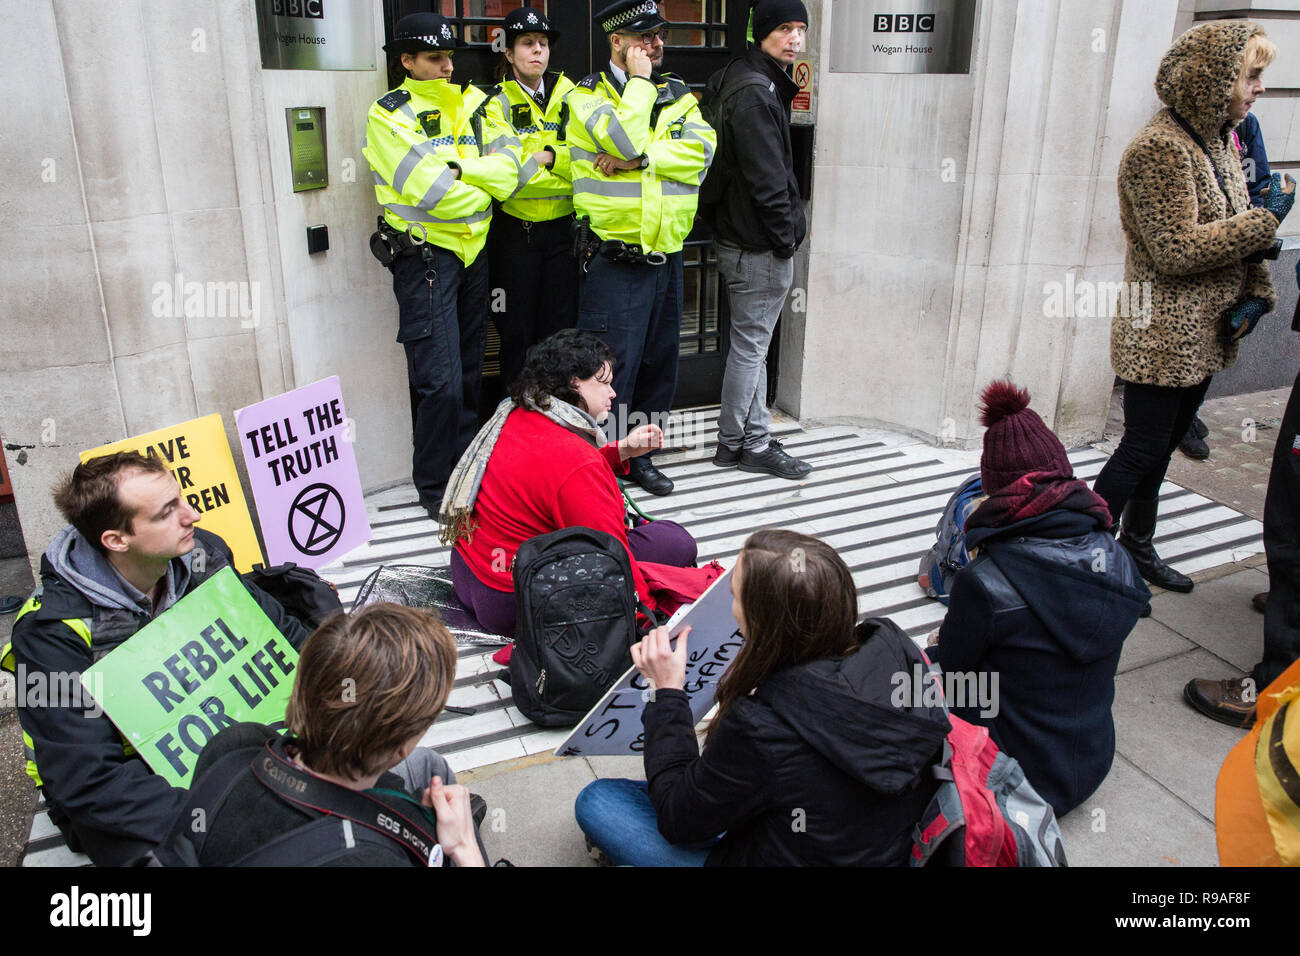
[
  {"x": 438, "y": 163},
  {"x": 530, "y": 246},
  {"x": 638, "y": 152}
]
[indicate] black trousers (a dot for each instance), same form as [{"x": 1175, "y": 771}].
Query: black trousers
[
  {"x": 1282, "y": 547},
  {"x": 442, "y": 324},
  {"x": 534, "y": 280},
  {"x": 1156, "y": 418},
  {"x": 637, "y": 310}
]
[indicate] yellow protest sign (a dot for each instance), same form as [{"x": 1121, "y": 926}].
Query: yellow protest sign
[{"x": 198, "y": 455}]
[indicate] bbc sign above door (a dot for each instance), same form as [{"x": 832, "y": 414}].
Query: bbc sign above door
[
  {"x": 316, "y": 34},
  {"x": 902, "y": 36}
]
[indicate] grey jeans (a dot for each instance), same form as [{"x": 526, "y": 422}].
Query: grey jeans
[
  {"x": 757, "y": 284},
  {"x": 422, "y": 766}
]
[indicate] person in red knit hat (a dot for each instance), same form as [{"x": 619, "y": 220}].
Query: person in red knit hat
[{"x": 1040, "y": 614}]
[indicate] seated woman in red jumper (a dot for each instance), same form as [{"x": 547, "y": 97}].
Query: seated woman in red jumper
[{"x": 542, "y": 464}]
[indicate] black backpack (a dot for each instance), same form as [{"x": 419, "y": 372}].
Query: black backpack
[
  {"x": 713, "y": 107},
  {"x": 576, "y": 608},
  {"x": 302, "y": 592}
]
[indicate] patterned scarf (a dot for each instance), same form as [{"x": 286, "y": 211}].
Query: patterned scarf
[
  {"x": 1036, "y": 494},
  {"x": 457, "y": 508}
]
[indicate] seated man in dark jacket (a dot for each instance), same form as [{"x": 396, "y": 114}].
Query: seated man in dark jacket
[
  {"x": 1045, "y": 605},
  {"x": 130, "y": 553},
  {"x": 368, "y": 686}
]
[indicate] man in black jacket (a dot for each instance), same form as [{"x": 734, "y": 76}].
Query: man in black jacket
[
  {"x": 131, "y": 552},
  {"x": 757, "y": 225}
]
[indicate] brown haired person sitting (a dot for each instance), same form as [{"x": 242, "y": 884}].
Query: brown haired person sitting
[
  {"x": 808, "y": 761},
  {"x": 130, "y": 552},
  {"x": 368, "y": 686}
]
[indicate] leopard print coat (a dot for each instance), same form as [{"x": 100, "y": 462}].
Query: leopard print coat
[{"x": 1186, "y": 239}]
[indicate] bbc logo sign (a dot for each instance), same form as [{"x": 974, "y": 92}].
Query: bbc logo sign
[
  {"x": 305, "y": 9},
  {"x": 904, "y": 22}
]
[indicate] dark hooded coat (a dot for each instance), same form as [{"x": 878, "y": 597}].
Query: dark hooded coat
[
  {"x": 819, "y": 766},
  {"x": 1046, "y": 606},
  {"x": 1186, "y": 238}
]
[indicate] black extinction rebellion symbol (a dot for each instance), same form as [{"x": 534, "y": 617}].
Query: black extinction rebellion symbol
[{"x": 318, "y": 510}]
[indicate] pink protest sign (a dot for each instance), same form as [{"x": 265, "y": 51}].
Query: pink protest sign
[{"x": 298, "y": 449}]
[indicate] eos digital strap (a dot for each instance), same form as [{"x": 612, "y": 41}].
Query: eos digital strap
[{"x": 302, "y": 789}]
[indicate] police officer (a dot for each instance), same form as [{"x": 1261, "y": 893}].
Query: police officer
[
  {"x": 530, "y": 247},
  {"x": 638, "y": 150},
  {"x": 426, "y": 142}
]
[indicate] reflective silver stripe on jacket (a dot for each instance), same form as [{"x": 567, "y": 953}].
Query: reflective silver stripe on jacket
[
  {"x": 441, "y": 186},
  {"x": 409, "y": 162},
  {"x": 691, "y": 131},
  {"x": 416, "y": 214},
  {"x": 600, "y": 187},
  {"x": 616, "y": 133},
  {"x": 672, "y": 187}
]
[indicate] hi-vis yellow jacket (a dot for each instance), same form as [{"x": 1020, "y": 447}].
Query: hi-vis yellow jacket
[
  {"x": 549, "y": 194},
  {"x": 652, "y": 207},
  {"x": 413, "y": 135}
]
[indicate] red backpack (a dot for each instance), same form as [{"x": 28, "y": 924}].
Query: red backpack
[{"x": 985, "y": 813}]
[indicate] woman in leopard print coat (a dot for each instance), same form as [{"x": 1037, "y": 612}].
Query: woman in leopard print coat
[{"x": 1192, "y": 233}]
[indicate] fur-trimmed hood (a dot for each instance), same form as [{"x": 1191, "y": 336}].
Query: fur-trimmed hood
[{"x": 1198, "y": 73}]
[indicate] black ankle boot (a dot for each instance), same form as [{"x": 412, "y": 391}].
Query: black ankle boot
[{"x": 1137, "y": 528}]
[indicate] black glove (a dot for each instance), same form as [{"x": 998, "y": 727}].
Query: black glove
[
  {"x": 1240, "y": 320},
  {"x": 1276, "y": 201}
]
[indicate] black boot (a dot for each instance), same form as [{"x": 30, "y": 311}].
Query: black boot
[{"x": 1137, "y": 529}]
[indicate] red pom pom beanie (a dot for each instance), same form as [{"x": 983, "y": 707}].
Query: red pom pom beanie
[{"x": 1017, "y": 441}]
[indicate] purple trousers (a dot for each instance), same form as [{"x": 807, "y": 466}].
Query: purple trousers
[{"x": 659, "y": 542}]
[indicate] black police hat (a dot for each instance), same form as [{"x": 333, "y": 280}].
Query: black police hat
[
  {"x": 527, "y": 20},
  {"x": 631, "y": 16},
  {"x": 422, "y": 31}
]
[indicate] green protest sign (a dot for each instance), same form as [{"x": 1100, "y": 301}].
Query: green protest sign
[{"x": 211, "y": 660}]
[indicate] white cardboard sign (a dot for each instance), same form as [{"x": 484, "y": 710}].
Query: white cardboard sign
[{"x": 613, "y": 726}]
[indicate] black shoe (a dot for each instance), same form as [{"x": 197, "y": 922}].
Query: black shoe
[
  {"x": 1146, "y": 610},
  {"x": 1136, "y": 530},
  {"x": 773, "y": 460},
  {"x": 431, "y": 508},
  {"x": 645, "y": 474},
  {"x": 1260, "y": 602},
  {"x": 726, "y": 457},
  {"x": 1199, "y": 428},
  {"x": 1194, "y": 447}
]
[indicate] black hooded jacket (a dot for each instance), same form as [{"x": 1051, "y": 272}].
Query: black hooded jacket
[
  {"x": 1045, "y": 607},
  {"x": 761, "y": 209},
  {"x": 817, "y": 767}
]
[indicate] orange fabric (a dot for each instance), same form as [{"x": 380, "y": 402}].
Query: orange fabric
[{"x": 1240, "y": 824}]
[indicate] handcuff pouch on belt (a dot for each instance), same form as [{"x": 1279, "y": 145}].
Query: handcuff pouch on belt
[
  {"x": 387, "y": 243},
  {"x": 586, "y": 245}
]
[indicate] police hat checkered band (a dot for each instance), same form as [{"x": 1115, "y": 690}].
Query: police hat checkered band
[{"x": 645, "y": 8}]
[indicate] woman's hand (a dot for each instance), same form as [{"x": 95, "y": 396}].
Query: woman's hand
[
  {"x": 639, "y": 441},
  {"x": 659, "y": 663},
  {"x": 455, "y": 822}
]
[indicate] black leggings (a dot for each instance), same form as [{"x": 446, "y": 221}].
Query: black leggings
[{"x": 1156, "y": 418}]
